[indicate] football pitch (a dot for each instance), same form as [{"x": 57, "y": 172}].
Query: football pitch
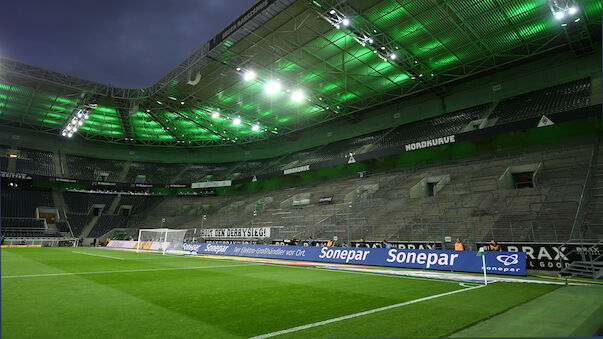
[{"x": 90, "y": 292}]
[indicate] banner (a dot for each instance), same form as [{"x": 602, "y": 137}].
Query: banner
[
  {"x": 421, "y": 245},
  {"x": 209, "y": 184},
  {"x": 511, "y": 263},
  {"x": 243, "y": 19},
  {"x": 245, "y": 233},
  {"x": 545, "y": 256},
  {"x": 14, "y": 175},
  {"x": 122, "y": 244},
  {"x": 296, "y": 169}
]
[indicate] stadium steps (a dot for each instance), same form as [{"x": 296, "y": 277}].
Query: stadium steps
[
  {"x": 59, "y": 201},
  {"x": 114, "y": 204},
  {"x": 89, "y": 227},
  {"x": 586, "y": 269},
  {"x": 181, "y": 173},
  {"x": 64, "y": 165},
  {"x": 57, "y": 164},
  {"x": 124, "y": 172},
  {"x": 11, "y": 165}
]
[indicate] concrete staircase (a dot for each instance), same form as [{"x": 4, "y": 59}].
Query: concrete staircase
[
  {"x": 89, "y": 227},
  {"x": 59, "y": 202},
  {"x": 124, "y": 172},
  {"x": 593, "y": 221},
  {"x": 113, "y": 206}
]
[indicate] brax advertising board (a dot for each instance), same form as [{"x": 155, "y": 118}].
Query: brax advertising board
[{"x": 512, "y": 263}]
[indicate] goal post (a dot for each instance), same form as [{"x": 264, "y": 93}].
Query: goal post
[{"x": 164, "y": 240}]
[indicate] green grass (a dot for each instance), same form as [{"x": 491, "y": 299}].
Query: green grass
[
  {"x": 175, "y": 297},
  {"x": 565, "y": 312}
]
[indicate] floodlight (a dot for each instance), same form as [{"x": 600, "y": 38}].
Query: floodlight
[
  {"x": 345, "y": 21},
  {"x": 578, "y": 19},
  {"x": 255, "y": 128},
  {"x": 80, "y": 122},
  {"x": 69, "y": 134},
  {"x": 370, "y": 40},
  {"x": 297, "y": 95},
  {"x": 86, "y": 116},
  {"x": 215, "y": 114},
  {"x": 332, "y": 11},
  {"x": 393, "y": 56},
  {"x": 181, "y": 102},
  {"x": 236, "y": 121},
  {"x": 249, "y": 75},
  {"x": 273, "y": 87},
  {"x": 558, "y": 15},
  {"x": 572, "y": 10},
  {"x": 79, "y": 115},
  {"x": 64, "y": 133}
]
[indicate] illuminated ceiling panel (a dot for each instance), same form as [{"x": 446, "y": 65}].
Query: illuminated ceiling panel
[{"x": 338, "y": 70}]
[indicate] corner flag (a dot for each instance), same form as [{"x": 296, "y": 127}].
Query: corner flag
[{"x": 480, "y": 253}]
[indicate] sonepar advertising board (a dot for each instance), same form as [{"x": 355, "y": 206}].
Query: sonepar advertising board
[{"x": 513, "y": 263}]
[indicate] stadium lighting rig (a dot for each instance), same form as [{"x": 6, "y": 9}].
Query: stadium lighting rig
[
  {"x": 367, "y": 35},
  {"x": 274, "y": 86},
  {"x": 564, "y": 11},
  {"x": 77, "y": 119}
]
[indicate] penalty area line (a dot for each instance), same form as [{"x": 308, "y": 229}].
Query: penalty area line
[
  {"x": 355, "y": 315},
  {"x": 122, "y": 271}
]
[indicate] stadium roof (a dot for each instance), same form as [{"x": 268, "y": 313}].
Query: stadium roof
[{"x": 285, "y": 66}]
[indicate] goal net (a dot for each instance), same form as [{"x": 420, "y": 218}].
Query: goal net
[{"x": 165, "y": 240}]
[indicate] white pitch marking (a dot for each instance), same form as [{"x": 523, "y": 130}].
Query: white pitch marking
[
  {"x": 121, "y": 271},
  {"x": 98, "y": 255},
  {"x": 355, "y": 315}
]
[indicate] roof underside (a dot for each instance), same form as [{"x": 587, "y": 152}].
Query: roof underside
[{"x": 306, "y": 47}]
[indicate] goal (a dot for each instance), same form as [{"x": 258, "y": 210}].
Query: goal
[{"x": 165, "y": 240}]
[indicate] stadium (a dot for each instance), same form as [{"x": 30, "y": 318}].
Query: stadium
[{"x": 317, "y": 169}]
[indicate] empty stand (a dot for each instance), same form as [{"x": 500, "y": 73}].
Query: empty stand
[
  {"x": 90, "y": 168},
  {"x": 564, "y": 97},
  {"x": 35, "y": 162},
  {"x": 154, "y": 172},
  {"x": 23, "y": 203},
  {"x": 79, "y": 202}
]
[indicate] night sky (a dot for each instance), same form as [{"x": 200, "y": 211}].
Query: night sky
[{"x": 126, "y": 43}]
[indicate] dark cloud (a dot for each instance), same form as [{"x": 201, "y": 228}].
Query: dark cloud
[{"x": 128, "y": 43}]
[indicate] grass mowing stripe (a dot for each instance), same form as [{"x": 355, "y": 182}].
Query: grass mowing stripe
[
  {"x": 98, "y": 255},
  {"x": 364, "y": 273},
  {"x": 121, "y": 271},
  {"x": 359, "y": 314}
]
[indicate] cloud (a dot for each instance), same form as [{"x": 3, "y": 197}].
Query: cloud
[{"x": 124, "y": 43}]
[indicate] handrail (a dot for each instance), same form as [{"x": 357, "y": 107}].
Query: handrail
[{"x": 580, "y": 211}]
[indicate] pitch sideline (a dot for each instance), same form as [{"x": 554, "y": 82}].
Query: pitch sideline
[{"x": 359, "y": 314}]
